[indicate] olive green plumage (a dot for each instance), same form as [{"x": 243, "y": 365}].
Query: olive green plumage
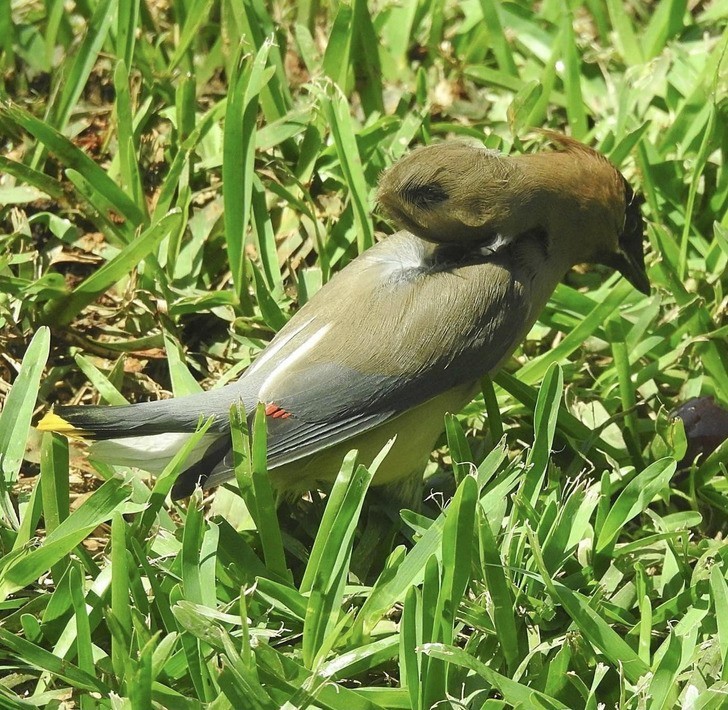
[{"x": 404, "y": 332}]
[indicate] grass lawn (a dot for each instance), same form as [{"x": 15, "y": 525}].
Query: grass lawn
[{"x": 176, "y": 179}]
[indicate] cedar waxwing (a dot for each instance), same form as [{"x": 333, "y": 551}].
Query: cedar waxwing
[{"x": 404, "y": 333}]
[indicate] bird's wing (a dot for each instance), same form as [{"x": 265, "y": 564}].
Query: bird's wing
[{"x": 393, "y": 330}]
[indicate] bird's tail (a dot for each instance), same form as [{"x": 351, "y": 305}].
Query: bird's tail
[
  {"x": 180, "y": 415},
  {"x": 145, "y": 435}
]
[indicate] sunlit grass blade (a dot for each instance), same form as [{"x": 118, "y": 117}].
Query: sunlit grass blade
[
  {"x": 16, "y": 415},
  {"x": 55, "y": 490},
  {"x": 664, "y": 23},
  {"x": 568, "y": 423},
  {"x": 239, "y": 158},
  {"x": 624, "y": 32},
  {"x": 81, "y": 64},
  {"x": 44, "y": 183},
  {"x": 275, "y": 97},
  {"x": 336, "y": 110},
  {"x": 626, "y": 389},
  {"x": 120, "y": 606},
  {"x": 498, "y": 41},
  {"x": 84, "y": 649},
  {"x": 496, "y": 579},
  {"x": 513, "y": 692},
  {"x": 19, "y": 571},
  {"x": 635, "y": 497},
  {"x": 591, "y": 624},
  {"x": 327, "y": 568},
  {"x": 572, "y": 79},
  {"x": 700, "y": 161},
  {"x": 38, "y": 657},
  {"x": 459, "y": 448},
  {"x": 197, "y": 13},
  {"x": 365, "y": 63},
  {"x": 72, "y": 157},
  {"x": 131, "y": 180},
  {"x": 537, "y": 367},
  {"x": 128, "y": 19},
  {"x": 64, "y": 310},
  {"x": 544, "y": 425},
  {"x": 337, "y": 58}
]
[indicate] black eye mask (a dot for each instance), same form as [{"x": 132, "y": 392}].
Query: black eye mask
[{"x": 423, "y": 195}]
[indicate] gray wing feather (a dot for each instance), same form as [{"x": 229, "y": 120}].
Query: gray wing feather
[{"x": 408, "y": 332}]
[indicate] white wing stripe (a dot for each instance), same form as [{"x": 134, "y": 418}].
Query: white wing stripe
[
  {"x": 300, "y": 352},
  {"x": 274, "y": 347}
]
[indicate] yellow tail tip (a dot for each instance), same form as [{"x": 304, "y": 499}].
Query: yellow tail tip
[{"x": 52, "y": 422}]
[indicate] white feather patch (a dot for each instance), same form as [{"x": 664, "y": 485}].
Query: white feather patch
[
  {"x": 274, "y": 347},
  {"x": 300, "y": 352},
  {"x": 407, "y": 256},
  {"x": 500, "y": 241},
  {"x": 149, "y": 453}
]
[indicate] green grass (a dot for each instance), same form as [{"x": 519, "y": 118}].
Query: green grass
[{"x": 573, "y": 566}]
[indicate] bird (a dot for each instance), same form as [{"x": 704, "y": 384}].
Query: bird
[{"x": 403, "y": 333}]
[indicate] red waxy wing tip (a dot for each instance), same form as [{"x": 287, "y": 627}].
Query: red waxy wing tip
[{"x": 273, "y": 410}]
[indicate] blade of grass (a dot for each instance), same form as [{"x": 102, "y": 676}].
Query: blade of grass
[
  {"x": 575, "y": 109},
  {"x": 131, "y": 180},
  {"x": 55, "y": 489},
  {"x": 594, "y": 628},
  {"x": 634, "y": 499},
  {"x": 38, "y": 657},
  {"x": 410, "y": 637},
  {"x": 197, "y": 14},
  {"x": 241, "y": 116},
  {"x": 498, "y": 41},
  {"x": 17, "y": 572},
  {"x": 84, "y": 649},
  {"x": 120, "y": 606},
  {"x": 665, "y": 22},
  {"x": 64, "y": 310},
  {"x": 337, "y": 58},
  {"x": 126, "y": 26},
  {"x": 276, "y": 101},
  {"x": 71, "y": 157},
  {"x": 544, "y": 426},
  {"x": 697, "y": 174},
  {"x": 42, "y": 182},
  {"x": 626, "y": 37},
  {"x": 336, "y": 109},
  {"x": 628, "y": 397},
  {"x": 536, "y": 368},
  {"x": 80, "y": 66},
  {"x": 15, "y": 418},
  {"x": 328, "y": 566},
  {"x": 514, "y": 693},
  {"x": 365, "y": 63},
  {"x": 459, "y": 448}
]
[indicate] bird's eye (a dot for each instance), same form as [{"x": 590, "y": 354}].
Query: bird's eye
[{"x": 424, "y": 195}]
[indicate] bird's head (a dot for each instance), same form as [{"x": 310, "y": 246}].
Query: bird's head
[
  {"x": 449, "y": 192},
  {"x": 458, "y": 192},
  {"x": 593, "y": 207}
]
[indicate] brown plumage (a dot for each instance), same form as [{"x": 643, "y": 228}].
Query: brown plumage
[{"x": 464, "y": 193}]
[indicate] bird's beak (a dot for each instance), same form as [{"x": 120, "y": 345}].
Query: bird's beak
[
  {"x": 629, "y": 259},
  {"x": 630, "y": 262}
]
